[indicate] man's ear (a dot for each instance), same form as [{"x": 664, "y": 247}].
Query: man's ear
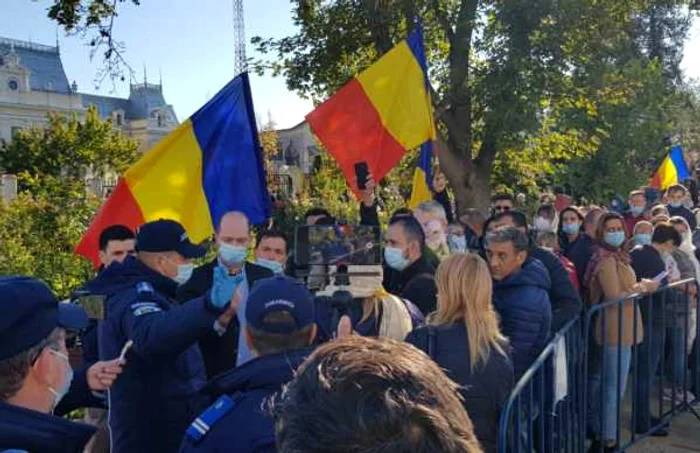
[{"x": 521, "y": 257}]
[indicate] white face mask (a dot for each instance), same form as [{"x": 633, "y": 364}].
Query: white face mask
[
  {"x": 60, "y": 393},
  {"x": 184, "y": 272},
  {"x": 544, "y": 225}
]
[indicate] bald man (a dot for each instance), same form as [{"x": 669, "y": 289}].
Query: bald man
[{"x": 223, "y": 350}]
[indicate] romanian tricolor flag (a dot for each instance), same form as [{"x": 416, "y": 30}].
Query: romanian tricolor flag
[
  {"x": 423, "y": 177},
  {"x": 379, "y": 115},
  {"x": 209, "y": 165},
  {"x": 673, "y": 170}
]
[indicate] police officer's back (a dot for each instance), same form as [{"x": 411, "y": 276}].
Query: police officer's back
[
  {"x": 159, "y": 392},
  {"x": 34, "y": 369},
  {"x": 279, "y": 329}
]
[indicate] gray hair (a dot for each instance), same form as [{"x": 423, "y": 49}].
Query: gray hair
[
  {"x": 432, "y": 207},
  {"x": 14, "y": 371},
  {"x": 519, "y": 239}
]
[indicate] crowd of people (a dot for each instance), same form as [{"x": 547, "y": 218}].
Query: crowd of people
[{"x": 251, "y": 351}]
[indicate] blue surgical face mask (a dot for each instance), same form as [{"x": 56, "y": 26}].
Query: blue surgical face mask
[
  {"x": 395, "y": 259},
  {"x": 231, "y": 254},
  {"x": 642, "y": 239},
  {"x": 184, "y": 272},
  {"x": 457, "y": 243},
  {"x": 68, "y": 379},
  {"x": 675, "y": 204},
  {"x": 571, "y": 228},
  {"x": 275, "y": 266},
  {"x": 615, "y": 239},
  {"x": 637, "y": 210}
]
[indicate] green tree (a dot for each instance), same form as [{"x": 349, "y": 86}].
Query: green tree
[
  {"x": 496, "y": 67},
  {"x": 39, "y": 230},
  {"x": 65, "y": 150}
]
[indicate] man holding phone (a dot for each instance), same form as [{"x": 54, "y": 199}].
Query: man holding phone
[{"x": 648, "y": 264}]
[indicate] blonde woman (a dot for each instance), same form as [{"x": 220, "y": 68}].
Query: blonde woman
[{"x": 463, "y": 337}]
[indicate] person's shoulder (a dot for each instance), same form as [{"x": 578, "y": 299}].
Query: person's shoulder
[
  {"x": 205, "y": 270},
  {"x": 215, "y": 415},
  {"x": 256, "y": 272}
]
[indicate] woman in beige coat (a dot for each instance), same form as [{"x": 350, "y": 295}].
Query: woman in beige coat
[{"x": 610, "y": 277}]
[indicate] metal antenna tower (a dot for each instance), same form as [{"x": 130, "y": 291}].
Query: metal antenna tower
[{"x": 240, "y": 62}]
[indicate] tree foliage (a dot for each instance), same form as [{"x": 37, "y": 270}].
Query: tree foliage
[
  {"x": 519, "y": 85},
  {"x": 40, "y": 229},
  {"x": 93, "y": 20},
  {"x": 65, "y": 150}
]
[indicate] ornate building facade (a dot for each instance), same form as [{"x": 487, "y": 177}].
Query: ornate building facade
[{"x": 33, "y": 83}]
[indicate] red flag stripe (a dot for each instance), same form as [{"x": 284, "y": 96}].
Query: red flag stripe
[{"x": 120, "y": 208}]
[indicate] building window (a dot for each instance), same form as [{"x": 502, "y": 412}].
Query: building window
[
  {"x": 161, "y": 121},
  {"x": 13, "y": 85},
  {"x": 119, "y": 120}
]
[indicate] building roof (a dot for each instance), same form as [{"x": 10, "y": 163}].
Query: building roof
[
  {"x": 142, "y": 99},
  {"x": 44, "y": 64},
  {"x": 105, "y": 104}
]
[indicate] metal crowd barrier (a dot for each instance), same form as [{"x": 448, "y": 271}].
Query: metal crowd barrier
[{"x": 570, "y": 396}]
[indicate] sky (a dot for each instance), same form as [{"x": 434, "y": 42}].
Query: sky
[{"x": 191, "y": 43}]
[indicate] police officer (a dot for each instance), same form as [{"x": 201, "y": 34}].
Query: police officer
[
  {"x": 158, "y": 394},
  {"x": 279, "y": 329},
  {"x": 34, "y": 370}
]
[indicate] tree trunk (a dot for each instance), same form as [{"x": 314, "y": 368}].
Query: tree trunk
[{"x": 470, "y": 180}]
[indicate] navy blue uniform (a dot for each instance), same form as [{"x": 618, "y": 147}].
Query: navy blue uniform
[
  {"x": 237, "y": 421},
  {"x": 158, "y": 394},
  {"x": 32, "y": 431}
]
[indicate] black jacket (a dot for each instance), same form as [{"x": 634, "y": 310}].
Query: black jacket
[
  {"x": 684, "y": 212},
  {"x": 485, "y": 389},
  {"x": 647, "y": 263},
  {"x": 565, "y": 299},
  {"x": 32, "y": 431},
  {"x": 580, "y": 253},
  {"x": 415, "y": 283},
  {"x": 219, "y": 352}
]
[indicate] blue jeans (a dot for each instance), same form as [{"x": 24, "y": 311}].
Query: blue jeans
[{"x": 603, "y": 420}]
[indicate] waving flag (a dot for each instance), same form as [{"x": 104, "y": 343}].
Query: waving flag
[
  {"x": 209, "y": 165},
  {"x": 672, "y": 170},
  {"x": 379, "y": 115},
  {"x": 423, "y": 177}
]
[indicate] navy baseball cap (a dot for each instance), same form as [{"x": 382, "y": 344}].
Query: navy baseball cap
[
  {"x": 30, "y": 312},
  {"x": 279, "y": 294},
  {"x": 167, "y": 236}
]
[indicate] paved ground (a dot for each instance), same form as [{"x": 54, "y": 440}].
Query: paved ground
[{"x": 684, "y": 438}]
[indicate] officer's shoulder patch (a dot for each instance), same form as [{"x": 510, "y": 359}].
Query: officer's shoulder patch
[
  {"x": 202, "y": 424},
  {"x": 144, "y": 308},
  {"x": 144, "y": 288}
]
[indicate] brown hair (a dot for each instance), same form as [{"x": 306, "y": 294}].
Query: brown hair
[
  {"x": 266, "y": 343},
  {"x": 605, "y": 218},
  {"x": 465, "y": 290},
  {"x": 372, "y": 395}
]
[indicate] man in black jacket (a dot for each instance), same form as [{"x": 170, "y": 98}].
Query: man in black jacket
[
  {"x": 565, "y": 300},
  {"x": 404, "y": 252},
  {"x": 676, "y": 195},
  {"x": 648, "y": 263},
  {"x": 220, "y": 350}
]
